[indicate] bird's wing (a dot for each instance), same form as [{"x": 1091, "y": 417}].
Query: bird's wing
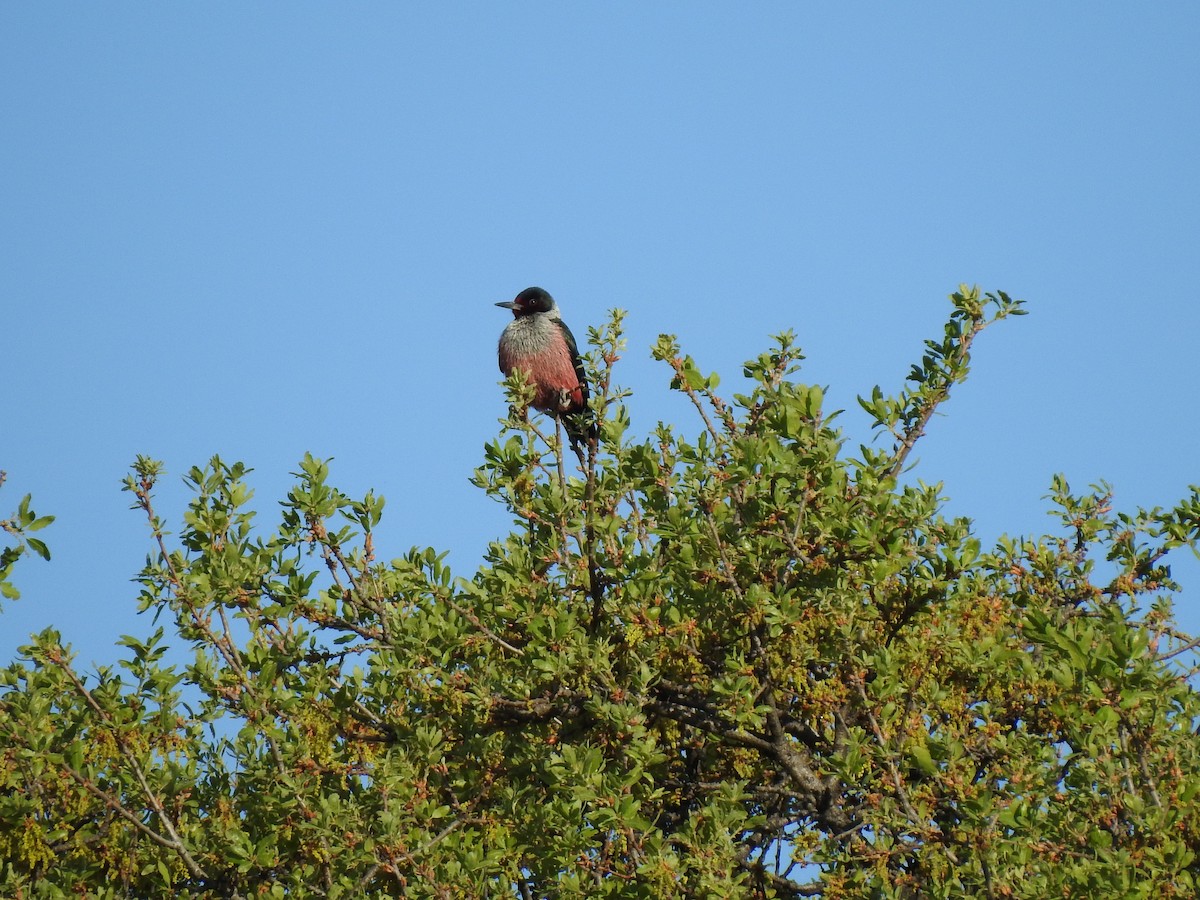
[{"x": 576, "y": 361}]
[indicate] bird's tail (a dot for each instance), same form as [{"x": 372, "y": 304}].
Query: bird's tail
[{"x": 582, "y": 430}]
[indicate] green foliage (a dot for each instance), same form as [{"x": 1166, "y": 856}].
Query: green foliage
[
  {"x": 18, "y": 530},
  {"x": 739, "y": 663}
]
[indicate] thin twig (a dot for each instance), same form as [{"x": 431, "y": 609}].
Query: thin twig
[
  {"x": 940, "y": 394},
  {"x": 897, "y": 780},
  {"x": 174, "y": 842},
  {"x": 556, "y": 448},
  {"x": 474, "y": 620},
  {"x": 726, "y": 566}
]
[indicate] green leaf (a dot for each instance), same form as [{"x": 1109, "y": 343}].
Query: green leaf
[
  {"x": 921, "y": 756},
  {"x": 694, "y": 379}
]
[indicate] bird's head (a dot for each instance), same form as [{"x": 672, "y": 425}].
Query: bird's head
[{"x": 529, "y": 301}]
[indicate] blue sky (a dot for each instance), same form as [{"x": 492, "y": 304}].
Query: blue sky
[{"x": 264, "y": 229}]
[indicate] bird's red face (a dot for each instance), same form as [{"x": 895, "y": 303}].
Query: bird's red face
[{"x": 529, "y": 301}]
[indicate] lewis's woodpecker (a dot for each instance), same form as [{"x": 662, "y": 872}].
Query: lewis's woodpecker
[{"x": 538, "y": 343}]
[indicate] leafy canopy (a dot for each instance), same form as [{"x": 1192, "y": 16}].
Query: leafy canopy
[{"x": 739, "y": 662}]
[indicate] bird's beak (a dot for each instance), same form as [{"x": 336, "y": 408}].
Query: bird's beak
[{"x": 507, "y": 304}]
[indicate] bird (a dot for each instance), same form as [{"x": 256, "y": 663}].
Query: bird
[{"x": 538, "y": 343}]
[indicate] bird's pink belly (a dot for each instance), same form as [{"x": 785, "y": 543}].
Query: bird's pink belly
[{"x": 553, "y": 379}]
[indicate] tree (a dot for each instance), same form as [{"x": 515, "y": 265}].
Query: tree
[{"x": 745, "y": 663}]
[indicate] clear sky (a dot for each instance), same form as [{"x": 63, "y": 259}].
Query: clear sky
[{"x": 270, "y": 228}]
